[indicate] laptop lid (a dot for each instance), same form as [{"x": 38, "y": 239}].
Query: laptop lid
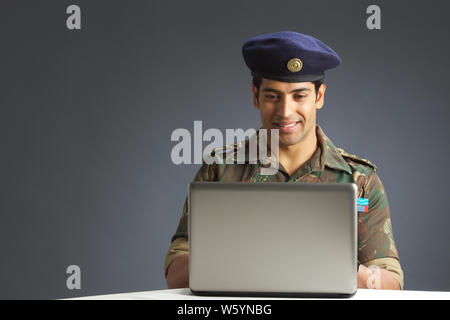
[{"x": 272, "y": 238}]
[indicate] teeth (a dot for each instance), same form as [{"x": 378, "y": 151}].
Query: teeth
[{"x": 288, "y": 126}]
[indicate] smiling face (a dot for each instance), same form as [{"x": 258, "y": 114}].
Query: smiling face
[{"x": 290, "y": 107}]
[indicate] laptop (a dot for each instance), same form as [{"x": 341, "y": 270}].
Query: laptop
[{"x": 272, "y": 239}]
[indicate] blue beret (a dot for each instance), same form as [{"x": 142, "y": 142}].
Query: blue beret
[{"x": 288, "y": 56}]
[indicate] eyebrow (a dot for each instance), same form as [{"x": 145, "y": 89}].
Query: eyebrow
[{"x": 292, "y": 91}]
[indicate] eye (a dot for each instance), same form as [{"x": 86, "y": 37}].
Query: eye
[
  {"x": 299, "y": 96},
  {"x": 270, "y": 96}
]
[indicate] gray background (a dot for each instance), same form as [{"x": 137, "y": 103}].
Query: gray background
[{"x": 86, "y": 117}]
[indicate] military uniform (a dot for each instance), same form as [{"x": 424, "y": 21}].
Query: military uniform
[
  {"x": 294, "y": 57},
  {"x": 376, "y": 244}
]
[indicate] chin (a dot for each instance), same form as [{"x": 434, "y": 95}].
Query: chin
[{"x": 284, "y": 142}]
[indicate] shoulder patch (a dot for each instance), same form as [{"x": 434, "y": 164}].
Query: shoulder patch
[{"x": 356, "y": 158}]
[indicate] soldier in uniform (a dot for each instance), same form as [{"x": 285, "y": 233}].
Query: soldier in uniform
[{"x": 288, "y": 89}]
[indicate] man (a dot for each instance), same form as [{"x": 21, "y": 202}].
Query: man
[{"x": 288, "y": 89}]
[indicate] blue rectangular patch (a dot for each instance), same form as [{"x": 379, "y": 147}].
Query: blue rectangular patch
[
  {"x": 363, "y": 202},
  {"x": 361, "y": 208}
]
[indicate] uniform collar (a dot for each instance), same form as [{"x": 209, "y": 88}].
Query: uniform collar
[{"x": 326, "y": 154}]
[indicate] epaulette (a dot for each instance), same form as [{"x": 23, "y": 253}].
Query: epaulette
[
  {"x": 356, "y": 158},
  {"x": 226, "y": 148}
]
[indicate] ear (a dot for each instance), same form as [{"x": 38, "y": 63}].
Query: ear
[
  {"x": 255, "y": 96},
  {"x": 320, "y": 99}
]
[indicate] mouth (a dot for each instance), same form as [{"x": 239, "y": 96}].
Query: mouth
[{"x": 286, "y": 126}]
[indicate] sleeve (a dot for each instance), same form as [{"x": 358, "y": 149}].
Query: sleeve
[
  {"x": 179, "y": 244},
  {"x": 375, "y": 236}
]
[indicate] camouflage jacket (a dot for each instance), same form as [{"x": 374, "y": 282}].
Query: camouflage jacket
[{"x": 327, "y": 164}]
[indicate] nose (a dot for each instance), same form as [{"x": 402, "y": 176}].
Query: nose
[{"x": 285, "y": 108}]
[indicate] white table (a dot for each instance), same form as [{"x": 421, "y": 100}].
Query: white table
[{"x": 185, "y": 294}]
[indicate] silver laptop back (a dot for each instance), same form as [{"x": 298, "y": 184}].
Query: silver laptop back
[{"x": 275, "y": 238}]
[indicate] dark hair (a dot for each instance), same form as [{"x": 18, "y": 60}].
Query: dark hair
[{"x": 257, "y": 83}]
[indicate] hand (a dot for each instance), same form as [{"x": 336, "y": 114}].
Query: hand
[
  {"x": 374, "y": 277},
  {"x": 369, "y": 278}
]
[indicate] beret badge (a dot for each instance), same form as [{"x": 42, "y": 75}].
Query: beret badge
[{"x": 295, "y": 65}]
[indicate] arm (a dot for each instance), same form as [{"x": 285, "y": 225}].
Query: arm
[
  {"x": 178, "y": 272},
  {"x": 380, "y": 268},
  {"x": 176, "y": 265}
]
